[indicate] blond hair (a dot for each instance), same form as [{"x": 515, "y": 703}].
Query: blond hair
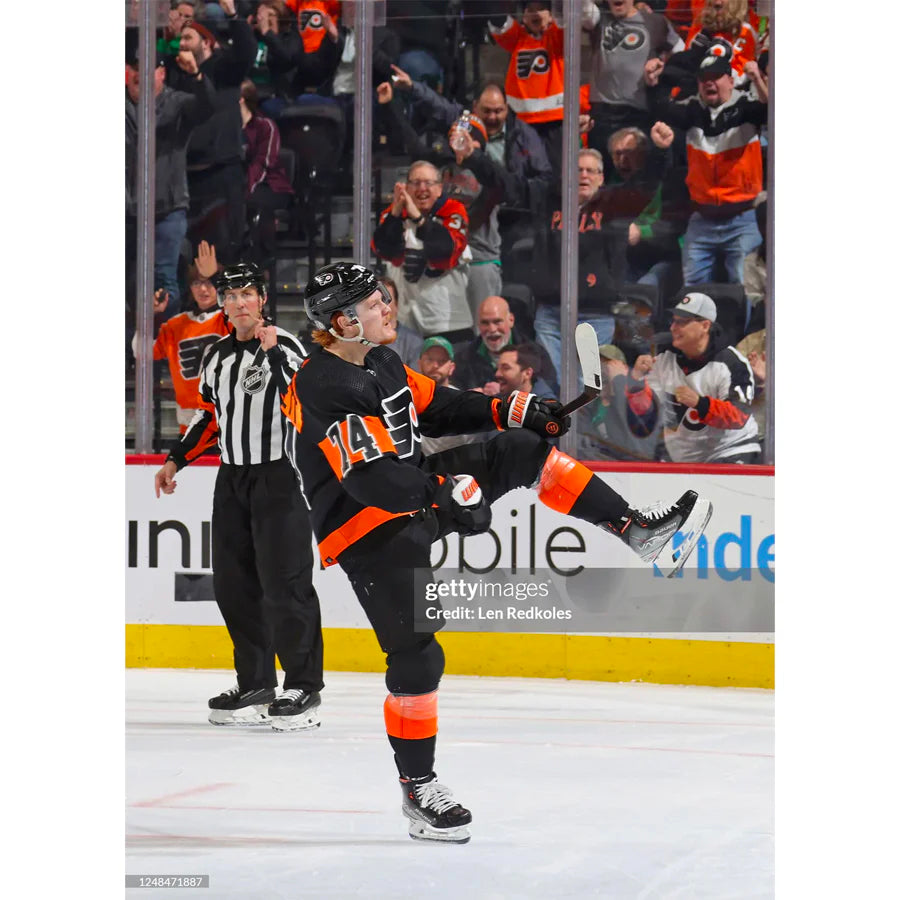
[{"x": 734, "y": 16}]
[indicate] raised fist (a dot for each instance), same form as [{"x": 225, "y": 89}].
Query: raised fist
[{"x": 662, "y": 136}]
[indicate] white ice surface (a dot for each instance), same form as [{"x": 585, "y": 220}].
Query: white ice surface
[{"x": 577, "y": 789}]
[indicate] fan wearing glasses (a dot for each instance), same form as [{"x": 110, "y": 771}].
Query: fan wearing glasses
[{"x": 423, "y": 237}]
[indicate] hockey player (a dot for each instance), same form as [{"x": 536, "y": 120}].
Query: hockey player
[
  {"x": 261, "y": 540},
  {"x": 377, "y": 504}
]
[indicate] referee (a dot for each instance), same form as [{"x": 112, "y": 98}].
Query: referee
[{"x": 261, "y": 538}]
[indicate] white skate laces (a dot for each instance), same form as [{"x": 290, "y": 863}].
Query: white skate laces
[
  {"x": 655, "y": 510},
  {"x": 434, "y": 796},
  {"x": 292, "y": 695}
]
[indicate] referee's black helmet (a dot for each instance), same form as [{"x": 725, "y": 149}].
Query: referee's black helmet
[
  {"x": 240, "y": 275},
  {"x": 337, "y": 288}
]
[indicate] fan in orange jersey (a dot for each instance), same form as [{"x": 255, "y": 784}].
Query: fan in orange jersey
[
  {"x": 315, "y": 19},
  {"x": 183, "y": 338},
  {"x": 534, "y": 79}
]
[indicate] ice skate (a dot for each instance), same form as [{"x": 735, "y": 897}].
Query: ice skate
[
  {"x": 432, "y": 812},
  {"x": 651, "y": 531},
  {"x": 237, "y": 707},
  {"x": 295, "y": 711}
]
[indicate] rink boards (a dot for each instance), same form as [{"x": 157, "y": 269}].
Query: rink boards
[{"x": 564, "y": 599}]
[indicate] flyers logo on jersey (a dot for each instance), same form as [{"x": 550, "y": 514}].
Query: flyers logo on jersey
[
  {"x": 628, "y": 37},
  {"x": 190, "y": 354},
  {"x": 528, "y": 61},
  {"x": 311, "y": 18},
  {"x": 402, "y": 421}
]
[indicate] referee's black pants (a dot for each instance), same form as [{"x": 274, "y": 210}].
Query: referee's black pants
[{"x": 262, "y": 575}]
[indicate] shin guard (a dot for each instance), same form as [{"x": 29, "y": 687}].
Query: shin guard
[
  {"x": 411, "y": 717},
  {"x": 569, "y": 486}
]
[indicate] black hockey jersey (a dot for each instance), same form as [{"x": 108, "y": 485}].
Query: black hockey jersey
[{"x": 355, "y": 440}]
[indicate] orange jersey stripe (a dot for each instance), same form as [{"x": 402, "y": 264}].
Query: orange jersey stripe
[
  {"x": 723, "y": 414},
  {"x": 412, "y": 718},
  {"x": 292, "y": 408},
  {"x": 422, "y": 388},
  {"x": 352, "y": 530}
]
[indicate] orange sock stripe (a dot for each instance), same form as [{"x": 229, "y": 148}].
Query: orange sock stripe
[
  {"x": 562, "y": 481},
  {"x": 413, "y": 717}
]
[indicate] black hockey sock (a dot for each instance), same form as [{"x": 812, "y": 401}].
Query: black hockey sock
[
  {"x": 414, "y": 758},
  {"x": 570, "y": 487}
]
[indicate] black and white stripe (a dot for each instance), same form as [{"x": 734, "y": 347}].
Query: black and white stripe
[{"x": 251, "y": 427}]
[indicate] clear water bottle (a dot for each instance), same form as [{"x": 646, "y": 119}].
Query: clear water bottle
[{"x": 462, "y": 124}]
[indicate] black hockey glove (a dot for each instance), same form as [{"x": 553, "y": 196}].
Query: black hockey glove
[
  {"x": 521, "y": 410},
  {"x": 461, "y": 499}
]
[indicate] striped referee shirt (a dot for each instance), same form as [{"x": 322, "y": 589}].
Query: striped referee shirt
[{"x": 240, "y": 401}]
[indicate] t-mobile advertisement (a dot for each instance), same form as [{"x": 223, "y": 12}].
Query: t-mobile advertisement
[{"x": 535, "y": 570}]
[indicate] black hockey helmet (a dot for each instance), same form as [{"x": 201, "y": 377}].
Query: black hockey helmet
[
  {"x": 337, "y": 288},
  {"x": 239, "y": 275}
]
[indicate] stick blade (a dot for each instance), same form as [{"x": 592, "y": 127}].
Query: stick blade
[{"x": 588, "y": 355}]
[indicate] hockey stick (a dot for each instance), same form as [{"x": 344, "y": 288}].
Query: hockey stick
[{"x": 589, "y": 357}]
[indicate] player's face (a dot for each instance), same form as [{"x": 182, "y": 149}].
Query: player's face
[
  {"x": 435, "y": 363},
  {"x": 243, "y": 307},
  {"x": 204, "y": 293},
  {"x": 510, "y": 375},
  {"x": 375, "y": 318}
]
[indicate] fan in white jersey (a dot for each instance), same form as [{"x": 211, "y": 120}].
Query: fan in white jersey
[{"x": 702, "y": 388}]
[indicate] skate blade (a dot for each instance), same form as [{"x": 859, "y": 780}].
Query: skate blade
[
  {"x": 419, "y": 831},
  {"x": 241, "y": 718},
  {"x": 692, "y": 529},
  {"x": 304, "y": 722}
]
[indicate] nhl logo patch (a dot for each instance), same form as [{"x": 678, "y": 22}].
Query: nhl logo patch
[{"x": 254, "y": 380}]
